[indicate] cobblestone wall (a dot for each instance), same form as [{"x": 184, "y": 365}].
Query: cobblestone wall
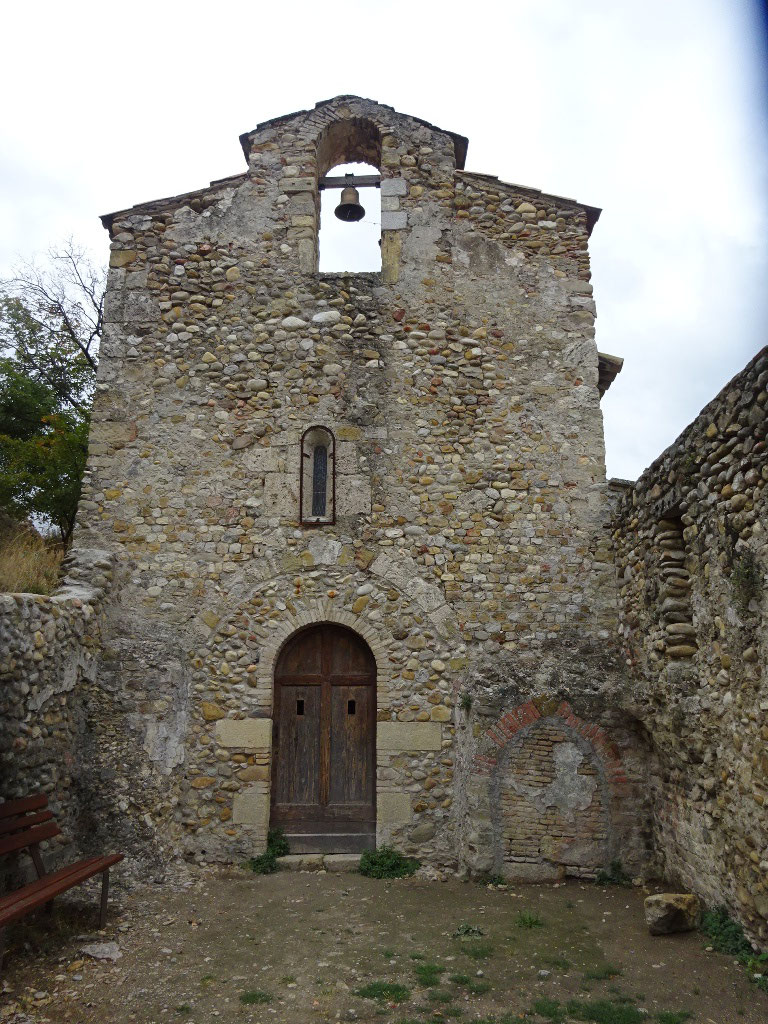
[
  {"x": 49, "y": 649},
  {"x": 692, "y": 559},
  {"x": 461, "y": 385}
]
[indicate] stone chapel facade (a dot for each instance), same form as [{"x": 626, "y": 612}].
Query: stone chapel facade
[{"x": 413, "y": 641}]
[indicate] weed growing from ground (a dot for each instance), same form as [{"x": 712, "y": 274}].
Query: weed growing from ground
[
  {"x": 466, "y": 930},
  {"x": 614, "y": 874},
  {"x": 254, "y": 996},
  {"x": 428, "y": 974},
  {"x": 478, "y": 988},
  {"x": 385, "y": 990},
  {"x": 386, "y": 862},
  {"x": 266, "y": 863},
  {"x": 184, "y": 1008},
  {"x": 489, "y": 879},
  {"x": 460, "y": 979},
  {"x": 677, "y": 1017},
  {"x": 525, "y": 919},
  {"x": 727, "y": 936}
]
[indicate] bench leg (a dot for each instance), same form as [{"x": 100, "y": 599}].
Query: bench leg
[{"x": 104, "y": 897}]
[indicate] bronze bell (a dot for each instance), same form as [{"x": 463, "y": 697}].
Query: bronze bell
[{"x": 349, "y": 208}]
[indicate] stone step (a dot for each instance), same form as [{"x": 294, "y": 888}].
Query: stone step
[
  {"x": 331, "y": 842},
  {"x": 320, "y": 862}
]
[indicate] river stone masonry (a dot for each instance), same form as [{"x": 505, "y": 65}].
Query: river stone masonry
[
  {"x": 462, "y": 388},
  {"x": 691, "y": 555}
]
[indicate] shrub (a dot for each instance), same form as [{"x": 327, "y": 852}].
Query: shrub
[
  {"x": 725, "y": 934},
  {"x": 386, "y": 862}
]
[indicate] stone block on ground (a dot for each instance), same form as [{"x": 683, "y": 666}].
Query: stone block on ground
[
  {"x": 668, "y": 912},
  {"x": 301, "y": 862}
]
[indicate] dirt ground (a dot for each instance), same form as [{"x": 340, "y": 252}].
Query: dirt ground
[{"x": 298, "y": 947}]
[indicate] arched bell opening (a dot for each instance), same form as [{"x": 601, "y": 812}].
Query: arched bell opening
[
  {"x": 350, "y": 225},
  {"x": 324, "y": 741}
]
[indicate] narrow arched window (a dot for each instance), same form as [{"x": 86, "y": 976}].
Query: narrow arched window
[{"x": 317, "y": 483}]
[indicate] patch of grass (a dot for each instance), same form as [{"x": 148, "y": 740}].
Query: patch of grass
[
  {"x": 288, "y": 979},
  {"x": 439, "y": 995},
  {"x": 478, "y": 950},
  {"x": 605, "y": 1011},
  {"x": 465, "y": 930},
  {"x": 478, "y": 988},
  {"x": 184, "y": 1008},
  {"x": 602, "y": 973},
  {"x": 417, "y": 956},
  {"x": 550, "y": 1009},
  {"x": 255, "y": 996},
  {"x": 526, "y": 919},
  {"x": 673, "y": 1017},
  {"x": 385, "y": 990},
  {"x": 460, "y": 979},
  {"x": 614, "y": 874},
  {"x": 207, "y": 979},
  {"x": 386, "y": 862},
  {"x": 428, "y": 974},
  {"x": 388, "y": 954},
  {"x": 560, "y": 962}
]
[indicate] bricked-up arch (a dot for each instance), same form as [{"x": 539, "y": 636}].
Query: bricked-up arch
[
  {"x": 352, "y": 140},
  {"x": 553, "y": 784}
]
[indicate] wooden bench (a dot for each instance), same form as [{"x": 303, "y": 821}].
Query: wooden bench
[{"x": 24, "y": 824}]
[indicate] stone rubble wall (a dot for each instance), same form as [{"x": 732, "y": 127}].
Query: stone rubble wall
[
  {"x": 692, "y": 559},
  {"x": 49, "y": 648}
]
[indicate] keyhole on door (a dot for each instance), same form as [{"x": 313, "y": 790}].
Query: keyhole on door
[
  {"x": 350, "y": 707},
  {"x": 299, "y": 707}
]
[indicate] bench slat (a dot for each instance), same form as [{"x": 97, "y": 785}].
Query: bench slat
[
  {"x": 27, "y": 803},
  {"x": 29, "y": 836},
  {"x": 36, "y": 894},
  {"x": 24, "y": 821}
]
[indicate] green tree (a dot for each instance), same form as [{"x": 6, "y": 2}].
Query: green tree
[{"x": 50, "y": 328}]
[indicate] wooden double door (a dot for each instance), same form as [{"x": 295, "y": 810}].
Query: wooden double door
[{"x": 324, "y": 741}]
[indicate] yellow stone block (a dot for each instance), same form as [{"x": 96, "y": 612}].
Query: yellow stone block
[
  {"x": 393, "y": 808},
  {"x": 246, "y": 732}
]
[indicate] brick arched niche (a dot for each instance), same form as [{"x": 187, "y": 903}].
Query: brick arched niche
[{"x": 547, "y": 787}]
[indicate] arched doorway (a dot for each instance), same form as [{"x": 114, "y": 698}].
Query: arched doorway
[{"x": 324, "y": 742}]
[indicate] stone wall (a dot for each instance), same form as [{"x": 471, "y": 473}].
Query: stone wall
[
  {"x": 49, "y": 653},
  {"x": 461, "y": 385},
  {"x": 692, "y": 558}
]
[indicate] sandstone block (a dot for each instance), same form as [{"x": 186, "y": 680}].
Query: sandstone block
[
  {"x": 251, "y": 807},
  {"x": 667, "y": 912},
  {"x": 341, "y": 862},
  {"x": 247, "y": 732},
  {"x": 409, "y": 736},
  {"x": 393, "y": 808}
]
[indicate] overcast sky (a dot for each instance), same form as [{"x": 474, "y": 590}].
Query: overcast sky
[{"x": 654, "y": 110}]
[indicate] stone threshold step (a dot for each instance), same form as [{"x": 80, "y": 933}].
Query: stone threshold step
[{"x": 320, "y": 862}]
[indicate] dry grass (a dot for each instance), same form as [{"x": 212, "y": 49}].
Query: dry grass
[{"x": 28, "y": 564}]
